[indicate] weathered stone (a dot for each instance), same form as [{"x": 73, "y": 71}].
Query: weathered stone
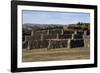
[
  {"x": 68, "y": 32},
  {"x": 65, "y": 36},
  {"x": 56, "y": 38},
  {"x": 77, "y": 43},
  {"x": 77, "y": 36},
  {"x": 80, "y": 32}
]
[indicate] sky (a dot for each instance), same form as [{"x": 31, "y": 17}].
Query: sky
[{"x": 48, "y": 17}]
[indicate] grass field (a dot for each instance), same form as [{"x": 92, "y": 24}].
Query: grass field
[{"x": 45, "y": 54}]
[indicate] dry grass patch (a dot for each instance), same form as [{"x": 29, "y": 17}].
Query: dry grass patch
[{"x": 45, "y": 54}]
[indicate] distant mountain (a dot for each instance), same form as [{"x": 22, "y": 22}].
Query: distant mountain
[
  {"x": 39, "y": 26},
  {"x": 30, "y": 27}
]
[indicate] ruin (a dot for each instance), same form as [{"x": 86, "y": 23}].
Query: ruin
[{"x": 67, "y": 37}]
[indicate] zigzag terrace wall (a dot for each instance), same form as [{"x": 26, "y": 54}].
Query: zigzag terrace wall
[{"x": 70, "y": 36}]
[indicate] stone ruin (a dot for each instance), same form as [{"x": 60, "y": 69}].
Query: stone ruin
[{"x": 57, "y": 38}]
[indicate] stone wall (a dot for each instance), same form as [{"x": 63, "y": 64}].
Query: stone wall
[{"x": 56, "y": 38}]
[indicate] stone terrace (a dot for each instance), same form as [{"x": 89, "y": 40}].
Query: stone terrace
[{"x": 58, "y": 38}]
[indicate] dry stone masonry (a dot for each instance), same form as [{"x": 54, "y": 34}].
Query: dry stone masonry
[{"x": 67, "y": 37}]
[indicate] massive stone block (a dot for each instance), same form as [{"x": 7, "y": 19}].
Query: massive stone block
[
  {"x": 77, "y": 43},
  {"x": 63, "y": 44},
  {"x": 87, "y": 41},
  {"x": 68, "y": 32},
  {"x": 65, "y": 36},
  {"x": 58, "y": 44},
  {"x": 38, "y": 44},
  {"x": 36, "y": 37},
  {"x": 56, "y": 31},
  {"x": 80, "y": 32},
  {"x": 77, "y": 36},
  {"x": 50, "y": 36},
  {"x": 25, "y": 44}
]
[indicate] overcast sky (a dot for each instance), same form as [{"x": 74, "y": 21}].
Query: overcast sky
[{"x": 44, "y": 17}]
